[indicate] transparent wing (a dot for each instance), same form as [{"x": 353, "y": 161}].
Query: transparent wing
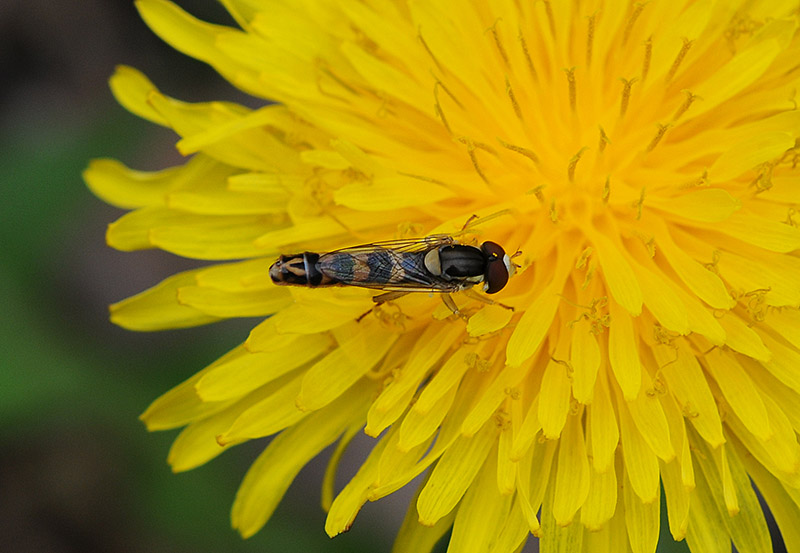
[
  {"x": 397, "y": 265},
  {"x": 423, "y": 244}
]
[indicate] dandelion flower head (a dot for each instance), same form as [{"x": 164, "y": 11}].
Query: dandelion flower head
[{"x": 643, "y": 158}]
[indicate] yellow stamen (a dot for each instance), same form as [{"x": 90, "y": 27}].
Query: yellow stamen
[
  {"x": 497, "y": 42},
  {"x": 648, "y": 54},
  {"x": 530, "y": 154},
  {"x": 437, "y": 108},
  {"x": 527, "y": 55},
  {"x": 550, "y": 19},
  {"x": 638, "y": 204},
  {"x": 537, "y": 191},
  {"x": 662, "y": 130},
  {"x": 514, "y": 103},
  {"x": 573, "y": 162},
  {"x": 584, "y": 257},
  {"x": 682, "y": 54},
  {"x": 606, "y": 189},
  {"x": 637, "y": 11},
  {"x": 428, "y": 50},
  {"x": 685, "y": 106},
  {"x": 603, "y": 140},
  {"x": 590, "y": 38},
  {"x": 573, "y": 94},
  {"x": 626, "y": 94},
  {"x": 471, "y": 147}
]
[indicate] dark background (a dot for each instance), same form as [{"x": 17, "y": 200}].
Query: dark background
[{"x": 78, "y": 471}]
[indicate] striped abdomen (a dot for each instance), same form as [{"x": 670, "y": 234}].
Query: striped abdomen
[
  {"x": 300, "y": 270},
  {"x": 376, "y": 268}
]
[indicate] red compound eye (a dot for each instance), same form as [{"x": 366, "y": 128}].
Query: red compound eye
[{"x": 496, "y": 275}]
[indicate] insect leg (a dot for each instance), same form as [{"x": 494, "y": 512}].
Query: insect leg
[
  {"x": 388, "y": 296},
  {"x": 451, "y": 305},
  {"x": 382, "y": 298},
  {"x": 472, "y": 294}
]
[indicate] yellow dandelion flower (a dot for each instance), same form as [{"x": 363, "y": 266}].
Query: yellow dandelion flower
[{"x": 643, "y": 157}]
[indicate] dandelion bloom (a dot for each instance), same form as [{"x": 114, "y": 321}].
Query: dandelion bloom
[{"x": 642, "y": 156}]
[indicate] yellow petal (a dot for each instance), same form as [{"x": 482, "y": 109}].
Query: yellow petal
[
  {"x": 361, "y": 346},
  {"x": 245, "y": 371},
  {"x": 748, "y": 154},
  {"x": 619, "y": 275},
  {"x": 602, "y": 500},
  {"x": 515, "y": 531},
  {"x": 572, "y": 476},
  {"x": 131, "y": 89},
  {"x": 307, "y": 316},
  {"x": 197, "y": 443},
  {"x": 585, "y": 360},
  {"x": 758, "y": 273},
  {"x": 267, "y": 416},
  {"x": 434, "y": 342},
  {"x": 191, "y": 36},
  {"x": 271, "y": 474},
  {"x": 748, "y": 528},
  {"x": 220, "y": 303},
  {"x": 555, "y": 538},
  {"x": 329, "y": 480},
  {"x": 390, "y": 193},
  {"x": 688, "y": 384},
  {"x": 623, "y": 352},
  {"x": 418, "y": 427},
  {"x": 783, "y": 508},
  {"x": 506, "y": 467},
  {"x": 784, "y": 362},
  {"x": 603, "y": 427},
  {"x": 489, "y": 319},
  {"x": 641, "y": 464},
  {"x": 665, "y": 305},
  {"x": 554, "y": 397},
  {"x": 697, "y": 278},
  {"x": 706, "y": 531},
  {"x": 776, "y": 236},
  {"x": 481, "y": 514},
  {"x": 492, "y": 397},
  {"x": 780, "y": 452},
  {"x": 353, "y": 496},
  {"x": 453, "y": 474},
  {"x": 708, "y": 204},
  {"x": 448, "y": 376},
  {"x": 677, "y": 499},
  {"x": 157, "y": 308},
  {"x": 532, "y": 327},
  {"x": 533, "y": 478},
  {"x": 181, "y": 405},
  {"x": 123, "y": 187},
  {"x": 237, "y": 276},
  {"x": 527, "y": 431},
  {"x": 642, "y": 520},
  {"x": 740, "y": 392},
  {"x": 198, "y": 236},
  {"x": 743, "y": 69},
  {"x": 414, "y": 537},
  {"x": 649, "y": 418}
]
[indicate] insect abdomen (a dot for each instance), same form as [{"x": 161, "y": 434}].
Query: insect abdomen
[{"x": 299, "y": 270}]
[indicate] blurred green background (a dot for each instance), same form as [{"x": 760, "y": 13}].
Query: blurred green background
[{"x": 78, "y": 471}]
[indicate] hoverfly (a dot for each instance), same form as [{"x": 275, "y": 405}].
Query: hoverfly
[{"x": 436, "y": 263}]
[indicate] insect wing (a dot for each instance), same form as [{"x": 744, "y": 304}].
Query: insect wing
[
  {"x": 394, "y": 265},
  {"x": 424, "y": 244}
]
